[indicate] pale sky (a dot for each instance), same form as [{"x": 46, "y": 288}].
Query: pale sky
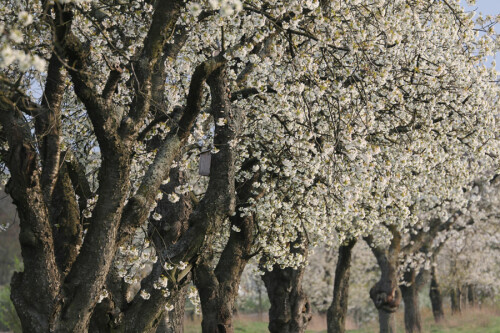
[
  {"x": 488, "y": 6},
  {"x": 491, "y": 7}
]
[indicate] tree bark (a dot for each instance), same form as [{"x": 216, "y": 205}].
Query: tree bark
[
  {"x": 290, "y": 308},
  {"x": 218, "y": 288},
  {"x": 413, "y": 320},
  {"x": 436, "y": 297},
  {"x": 216, "y": 303},
  {"x": 337, "y": 312},
  {"x": 386, "y": 294},
  {"x": 173, "y": 321},
  {"x": 387, "y": 321},
  {"x": 65, "y": 272}
]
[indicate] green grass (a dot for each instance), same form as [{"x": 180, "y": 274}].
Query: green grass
[{"x": 472, "y": 321}]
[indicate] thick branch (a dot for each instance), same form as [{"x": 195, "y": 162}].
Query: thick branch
[
  {"x": 48, "y": 126},
  {"x": 219, "y": 199},
  {"x": 149, "y": 60},
  {"x": 137, "y": 209},
  {"x": 141, "y": 315}
]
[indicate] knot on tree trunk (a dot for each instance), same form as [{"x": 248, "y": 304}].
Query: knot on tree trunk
[{"x": 385, "y": 296}]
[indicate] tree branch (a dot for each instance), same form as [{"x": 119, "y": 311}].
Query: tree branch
[
  {"x": 48, "y": 126},
  {"x": 36, "y": 240},
  {"x": 160, "y": 32},
  {"x": 137, "y": 209}
]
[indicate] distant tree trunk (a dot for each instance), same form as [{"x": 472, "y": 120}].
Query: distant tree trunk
[
  {"x": 173, "y": 321},
  {"x": 337, "y": 312},
  {"x": 462, "y": 290},
  {"x": 290, "y": 308},
  {"x": 387, "y": 321},
  {"x": 455, "y": 301},
  {"x": 409, "y": 290},
  {"x": 436, "y": 297},
  {"x": 471, "y": 295},
  {"x": 259, "y": 290}
]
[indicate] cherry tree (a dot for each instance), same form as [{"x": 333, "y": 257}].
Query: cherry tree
[
  {"x": 115, "y": 58},
  {"x": 326, "y": 121}
]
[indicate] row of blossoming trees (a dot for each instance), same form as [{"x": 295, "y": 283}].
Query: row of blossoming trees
[{"x": 324, "y": 122}]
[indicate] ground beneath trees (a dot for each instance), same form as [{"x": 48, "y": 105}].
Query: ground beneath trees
[{"x": 485, "y": 320}]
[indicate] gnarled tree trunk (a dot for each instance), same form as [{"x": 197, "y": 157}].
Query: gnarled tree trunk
[
  {"x": 385, "y": 294},
  {"x": 218, "y": 288},
  {"x": 337, "y": 312}
]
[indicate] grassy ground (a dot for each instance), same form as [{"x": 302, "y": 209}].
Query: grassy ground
[
  {"x": 471, "y": 321},
  {"x": 241, "y": 327}
]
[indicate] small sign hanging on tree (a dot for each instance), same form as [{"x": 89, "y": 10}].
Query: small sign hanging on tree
[{"x": 205, "y": 158}]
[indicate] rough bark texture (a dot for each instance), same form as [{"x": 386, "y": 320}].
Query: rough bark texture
[
  {"x": 216, "y": 303},
  {"x": 409, "y": 290},
  {"x": 337, "y": 312},
  {"x": 290, "y": 308},
  {"x": 386, "y": 294},
  {"x": 436, "y": 297},
  {"x": 218, "y": 288},
  {"x": 65, "y": 273},
  {"x": 41, "y": 277},
  {"x": 173, "y": 321},
  {"x": 67, "y": 226}
]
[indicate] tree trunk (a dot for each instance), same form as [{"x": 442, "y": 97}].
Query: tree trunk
[
  {"x": 413, "y": 320},
  {"x": 436, "y": 297},
  {"x": 387, "y": 321},
  {"x": 386, "y": 294},
  {"x": 216, "y": 302},
  {"x": 173, "y": 321},
  {"x": 290, "y": 309},
  {"x": 463, "y": 297},
  {"x": 455, "y": 301},
  {"x": 471, "y": 295},
  {"x": 337, "y": 312},
  {"x": 260, "y": 303},
  {"x": 218, "y": 288}
]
